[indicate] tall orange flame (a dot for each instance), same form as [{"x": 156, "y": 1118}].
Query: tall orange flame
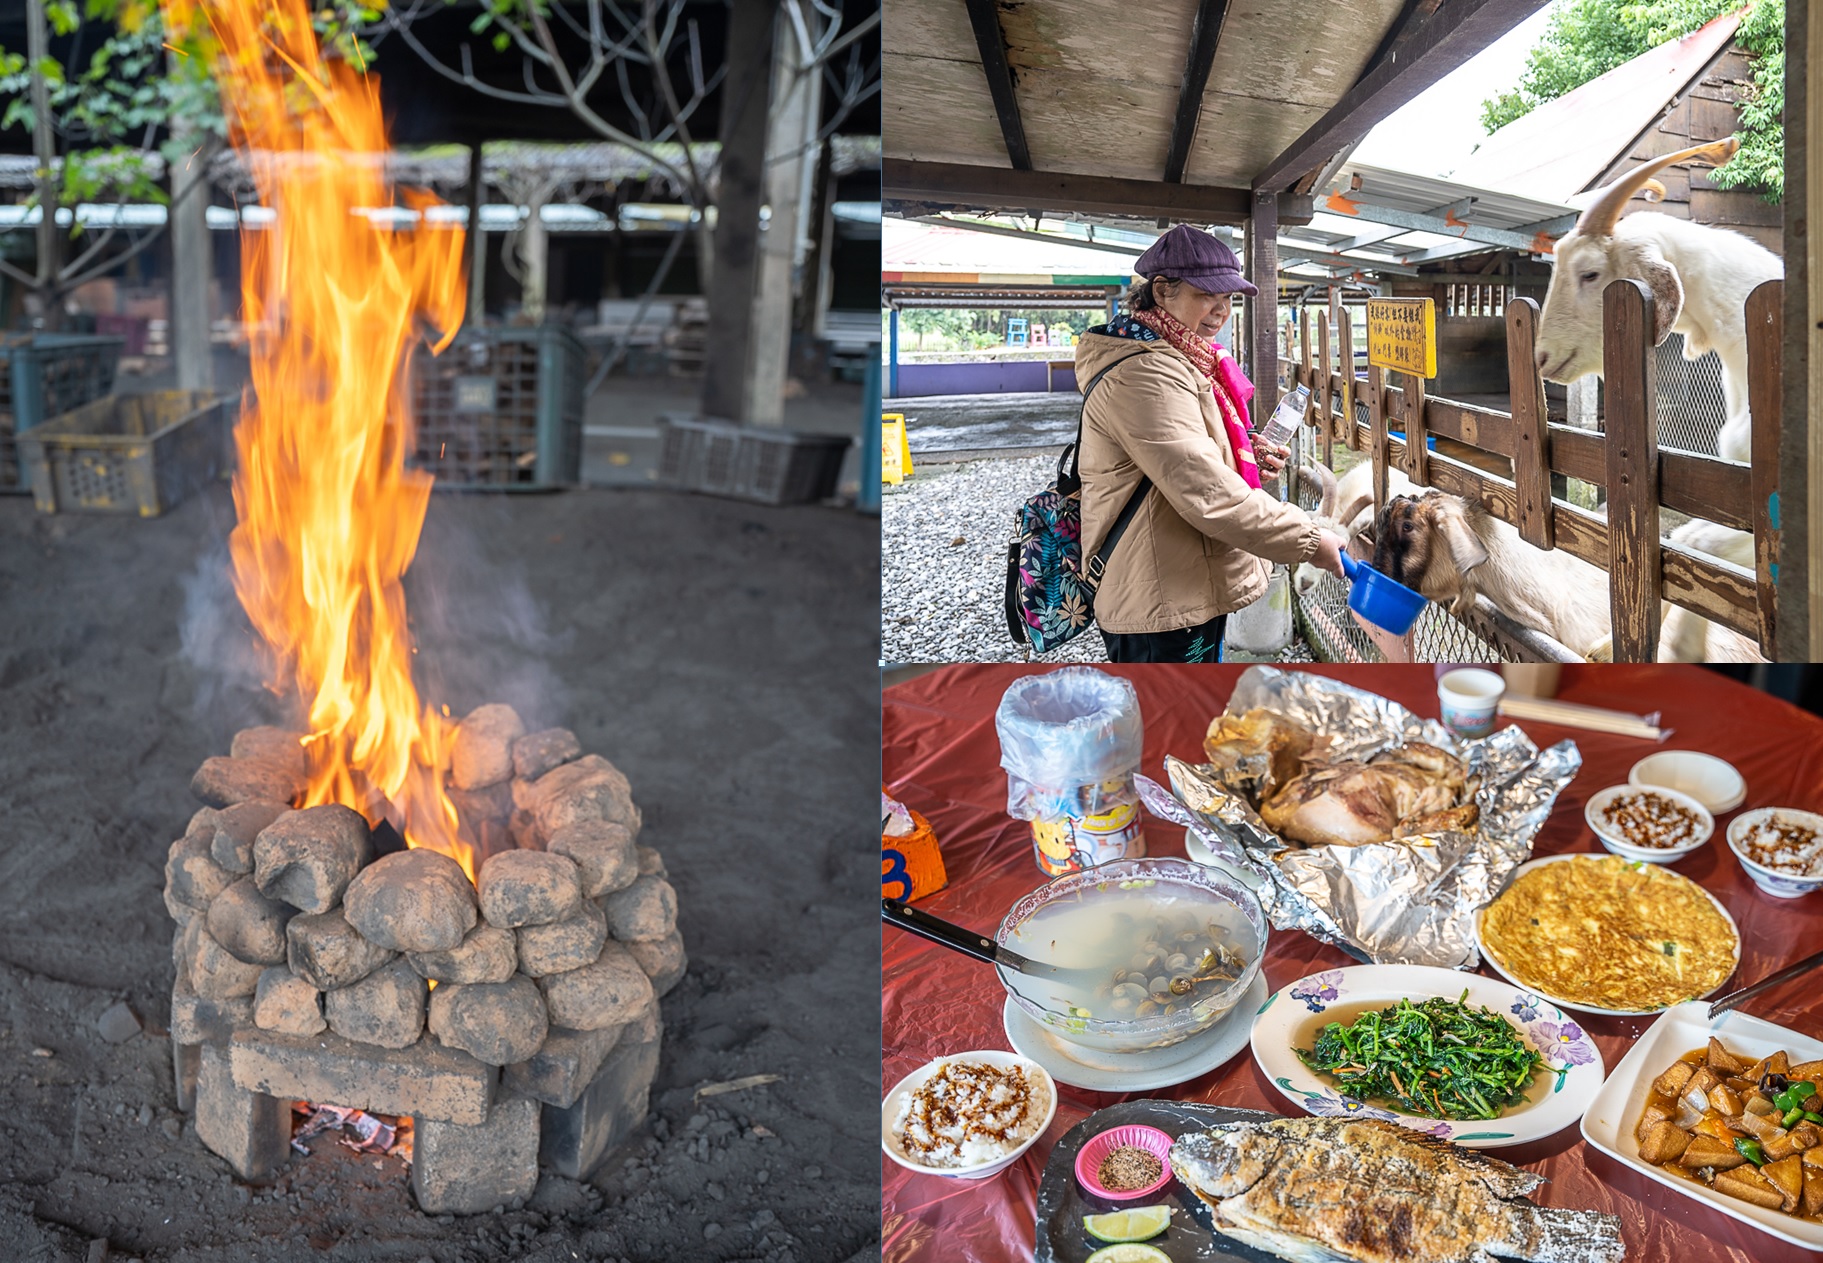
[{"x": 329, "y": 516}]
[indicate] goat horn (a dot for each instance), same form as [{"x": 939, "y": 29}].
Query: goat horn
[
  {"x": 1600, "y": 218},
  {"x": 1325, "y": 480}
]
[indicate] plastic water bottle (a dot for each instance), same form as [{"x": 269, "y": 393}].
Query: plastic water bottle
[{"x": 1286, "y": 417}]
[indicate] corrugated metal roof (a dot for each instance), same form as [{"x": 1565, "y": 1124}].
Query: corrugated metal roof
[
  {"x": 932, "y": 248},
  {"x": 1561, "y": 148}
]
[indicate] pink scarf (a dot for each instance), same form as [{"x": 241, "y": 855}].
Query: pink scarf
[{"x": 1227, "y": 383}]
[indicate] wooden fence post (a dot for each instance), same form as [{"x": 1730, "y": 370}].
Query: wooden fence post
[
  {"x": 1324, "y": 396},
  {"x": 1531, "y": 438},
  {"x": 1635, "y": 586},
  {"x": 1303, "y": 374},
  {"x": 1417, "y": 447},
  {"x": 1376, "y": 420},
  {"x": 1765, "y": 344},
  {"x": 1350, "y": 434}
]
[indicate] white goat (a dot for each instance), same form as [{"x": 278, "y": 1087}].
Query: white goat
[
  {"x": 1450, "y": 549},
  {"x": 1700, "y": 278},
  {"x": 1346, "y": 506}
]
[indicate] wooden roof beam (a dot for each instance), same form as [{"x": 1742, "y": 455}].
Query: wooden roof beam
[
  {"x": 1447, "y": 38},
  {"x": 984, "y": 17},
  {"x": 948, "y": 184},
  {"x": 1205, "y": 34}
]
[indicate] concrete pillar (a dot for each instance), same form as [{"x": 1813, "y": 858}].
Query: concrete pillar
[
  {"x": 745, "y": 94},
  {"x": 791, "y": 161},
  {"x": 192, "y": 264},
  {"x": 535, "y": 257}
]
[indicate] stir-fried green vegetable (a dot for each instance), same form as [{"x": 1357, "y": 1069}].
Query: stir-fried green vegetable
[{"x": 1439, "y": 1058}]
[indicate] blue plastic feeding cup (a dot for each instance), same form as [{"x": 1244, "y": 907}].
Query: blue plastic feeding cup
[{"x": 1384, "y": 602}]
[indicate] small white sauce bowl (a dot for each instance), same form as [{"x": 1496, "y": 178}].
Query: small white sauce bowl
[
  {"x": 1617, "y": 843},
  {"x": 1780, "y": 885},
  {"x": 889, "y": 1113},
  {"x": 1711, "y": 781}
]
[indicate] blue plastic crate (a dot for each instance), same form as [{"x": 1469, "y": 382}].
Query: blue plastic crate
[
  {"x": 502, "y": 410},
  {"x": 45, "y": 375}
]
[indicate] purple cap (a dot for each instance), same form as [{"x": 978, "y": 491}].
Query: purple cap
[{"x": 1192, "y": 255}]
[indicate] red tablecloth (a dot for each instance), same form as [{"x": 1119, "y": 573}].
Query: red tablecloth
[{"x": 941, "y": 756}]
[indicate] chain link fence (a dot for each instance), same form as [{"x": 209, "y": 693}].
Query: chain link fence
[{"x": 1691, "y": 403}]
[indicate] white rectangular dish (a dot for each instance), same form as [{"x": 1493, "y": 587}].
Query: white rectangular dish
[{"x": 1608, "y": 1124}]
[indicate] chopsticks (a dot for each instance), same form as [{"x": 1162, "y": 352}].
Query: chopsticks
[
  {"x": 1734, "y": 998},
  {"x": 1575, "y": 715}
]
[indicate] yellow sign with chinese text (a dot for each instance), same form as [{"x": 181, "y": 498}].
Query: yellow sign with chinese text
[{"x": 1402, "y": 335}]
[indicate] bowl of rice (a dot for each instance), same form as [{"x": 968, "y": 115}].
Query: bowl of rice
[
  {"x": 1638, "y": 822},
  {"x": 1781, "y": 848},
  {"x": 967, "y": 1116}
]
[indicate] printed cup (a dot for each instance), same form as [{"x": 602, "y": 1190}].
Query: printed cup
[
  {"x": 1078, "y": 842},
  {"x": 1470, "y": 697}
]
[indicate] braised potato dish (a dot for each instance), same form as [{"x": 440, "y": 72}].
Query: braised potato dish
[{"x": 1750, "y": 1129}]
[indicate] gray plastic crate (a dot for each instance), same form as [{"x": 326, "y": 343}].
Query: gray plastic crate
[
  {"x": 502, "y": 411},
  {"x": 720, "y": 458},
  {"x": 127, "y": 453},
  {"x": 45, "y": 375}
]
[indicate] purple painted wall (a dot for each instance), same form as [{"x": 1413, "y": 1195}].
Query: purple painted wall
[{"x": 982, "y": 379}]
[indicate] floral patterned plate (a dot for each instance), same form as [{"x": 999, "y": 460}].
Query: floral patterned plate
[{"x": 1293, "y": 1016}]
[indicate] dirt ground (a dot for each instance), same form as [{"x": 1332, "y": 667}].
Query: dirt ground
[{"x": 722, "y": 655}]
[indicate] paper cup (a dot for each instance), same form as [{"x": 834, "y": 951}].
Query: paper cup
[{"x": 1469, "y": 698}]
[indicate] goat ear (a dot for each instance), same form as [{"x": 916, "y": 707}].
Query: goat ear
[
  {"x": 1667, "y": 293},
  {"x": 1466, "y": 548}
]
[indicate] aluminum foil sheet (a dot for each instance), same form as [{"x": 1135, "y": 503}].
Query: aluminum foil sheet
[{"x": 1410, "y": 901}]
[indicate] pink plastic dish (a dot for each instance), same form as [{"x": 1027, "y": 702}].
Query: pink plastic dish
[{"x": 1090, "y": 1157}]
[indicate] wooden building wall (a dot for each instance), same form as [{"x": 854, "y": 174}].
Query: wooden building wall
[{"x": 1709, "y": 109}]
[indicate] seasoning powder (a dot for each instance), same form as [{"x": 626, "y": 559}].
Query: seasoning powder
[{"x": 1127, "y": 1168}]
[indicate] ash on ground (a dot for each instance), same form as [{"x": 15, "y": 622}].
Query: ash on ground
[{"x": 723, "y": 651}]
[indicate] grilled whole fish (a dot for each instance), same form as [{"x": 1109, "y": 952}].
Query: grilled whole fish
[{"x": 1319, "y": 1190}]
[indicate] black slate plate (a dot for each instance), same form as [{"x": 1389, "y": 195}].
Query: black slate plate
[{"x": 1062, "y": 1202}]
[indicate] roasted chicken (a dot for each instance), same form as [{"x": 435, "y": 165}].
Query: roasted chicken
[
  {"x": 1398, "y": 793},
  {"x": 1259, "y": 739}
]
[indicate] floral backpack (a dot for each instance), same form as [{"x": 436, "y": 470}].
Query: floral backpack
[{"x": 1050, "y": 593}]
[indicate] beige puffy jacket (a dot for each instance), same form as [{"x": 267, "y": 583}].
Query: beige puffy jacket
[{"x": 1202, "y": 543}]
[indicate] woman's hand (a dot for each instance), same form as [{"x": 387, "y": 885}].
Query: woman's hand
[
  {"x": 1271, "y": 459},
  {"x": 1329, "y": 554}
]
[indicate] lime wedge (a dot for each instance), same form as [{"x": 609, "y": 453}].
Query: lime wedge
[
  {"x": 1128, "y": 1252},
  {"x": 1142, "y": 1223}
]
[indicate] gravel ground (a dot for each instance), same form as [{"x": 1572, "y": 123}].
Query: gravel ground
[{"x": 943, "y": 538}]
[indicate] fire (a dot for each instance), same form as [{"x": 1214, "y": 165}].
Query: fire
[{"x": 329, "y": 516}]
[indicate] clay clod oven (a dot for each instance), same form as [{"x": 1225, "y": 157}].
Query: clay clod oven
[{"x": 512, "y": 1015}]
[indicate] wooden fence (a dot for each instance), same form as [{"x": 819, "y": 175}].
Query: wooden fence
[{"x": 1626, "y": 460}]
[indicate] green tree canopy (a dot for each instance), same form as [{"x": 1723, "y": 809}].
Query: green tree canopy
[{"x": 1587, "y": 38}]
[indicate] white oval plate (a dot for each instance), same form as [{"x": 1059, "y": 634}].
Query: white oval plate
[
  {"x": 1494, "y": 961},
  {"x": 1562, "y": 1089}
]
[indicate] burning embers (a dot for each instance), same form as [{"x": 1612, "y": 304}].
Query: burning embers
[{"x": 515, "y": 1014}]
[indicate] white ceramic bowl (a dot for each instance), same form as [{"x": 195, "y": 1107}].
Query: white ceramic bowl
[
  {"x": 1617, "y": 844},
  {"x": 1711, "y": 781},
  {"x": 889, "y": 1113},
  {"x": 1780, "y": 885}
]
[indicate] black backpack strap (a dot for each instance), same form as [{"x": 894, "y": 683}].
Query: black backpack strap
[
  {"x": 1093, "y": 568},
  {"x": 1069, "y": 481}
]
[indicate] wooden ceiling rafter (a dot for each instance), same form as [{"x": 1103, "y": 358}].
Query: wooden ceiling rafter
[
  {"x": 1434, "y": 46},
  {"x": 1205, "y": 35},
  {"x": 984, "y": 16}
]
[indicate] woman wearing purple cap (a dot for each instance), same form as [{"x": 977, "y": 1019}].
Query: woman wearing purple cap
[{"x": 1173, "y": 407}]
